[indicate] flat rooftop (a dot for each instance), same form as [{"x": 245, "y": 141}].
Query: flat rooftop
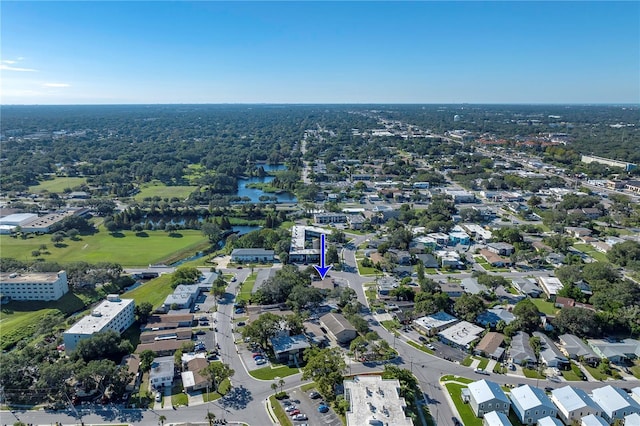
[
  {"x": 31, "y": 278},
  {"x": 100, "y": 317},
  {"x": 374, "y": 401}
]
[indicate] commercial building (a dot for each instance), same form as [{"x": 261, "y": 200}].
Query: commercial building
[
  {"x": 573, "y": 404},
  {"x": 375, "y": 401},
  {"x": 432, "y": 324},
  {"x": 242, "y": 255},
  {"x": 486, "y": 396},
  {"x": 606, "y": 161},
  {"x": 531, "y": 404},
  {"x": 289, "y": 349},
  {"x": 325, "y": 218},
  {"x": 461, "y": 335},
  {"x": 34, "y": 286},
  {"x": 305, "y": 243},
  {"x": 112, "y": 314},
  {"x": 461, "y": 196}
]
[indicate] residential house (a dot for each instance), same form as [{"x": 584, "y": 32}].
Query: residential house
[
  {"x": 550, "y": 285},
  {"x": 490, "y": 346},
  {"x": 550, "y": 355},
  {"x": 549, "y": 421},
  {"x": 451, "y": 289},
  {"x": 496, "y": 418},
  {"x": 459, "y": 236},
  {"x": 577, "y": 232},
  {"x": 614, "y": 402},
  {"x": 132, "y": 362},
  {"x": 593, "y": 420},
  {"x": 526, "y": 286},
  {"x": 495, "y": 260},
  {"x": 520, "y": 351},
  {"x": 531, "y": 404},
  {"x": 573, "y": 404},
  {"x": 486, "y": 396},
  {"x": 402, "y": 257},
  {"x": 338, "y": 327},
  {"x": 615, "y": 351},
  {"x": 471, "y": 286},
  {"x": 635, "y": 393},
  {"x": 161, "y": 373},
  {"x": 632, "y": 419},
  {"x": 574, "y": 348},
  {"x": 492, "y": 316},
  {"x": 428, "y": 260},
  {"x": 502, "y": 249},
  {"x": 193, "y": 379},
  {"x": 449, "y": 258}
]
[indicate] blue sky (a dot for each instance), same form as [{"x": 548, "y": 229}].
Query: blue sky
[{"x": 319, "y": 52}]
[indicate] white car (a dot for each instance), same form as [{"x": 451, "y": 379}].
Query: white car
[
  {"x": 481, "y": 371},
  {"x": 290, "y": 408},
  {"x": 158, "y": 397},
  {"x": 298, "y": 417}
]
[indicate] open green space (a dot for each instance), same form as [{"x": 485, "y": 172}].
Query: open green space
[
  {"x": 153, "y": 291},
  {"x": 453, "y": 378},
  {"x": 464, "y": 410},
  {"x": 269, "y": 373},
  {"x": 635, "y": 370},
  {"x": 599, "y": 374},
  {"x": 213, "y": 395},
  {"x": 545, "y": 307},
  {"x": 586, "y": 248},
  {"x": 178, "y": 398},
  {"x": 247, "y": 287},
  {"x": 57, "y": 185},
  {"x": 572, "y": 375},
  {"x": 124, "y": 248},
  {"x": 532, "y": 373},
  {"x": 158, "y": 189},
  {"x": 467, "y": 361},
  {"x": 19, "y": 320},
  {"x": 365, "y": 270},
  {"x": 483, "y": 362}
]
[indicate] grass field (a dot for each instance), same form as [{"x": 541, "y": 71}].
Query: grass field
[
  {"x": 365, "y": 270},
  {"x": 212, "y": 395},
  {"x": 57, "y": 185},
  {"x": 572, "y": 375},
  {"x": 283, "y": 418},
  {"x": 247, "y": 287},
  {"x": 123, "y": 247},
  {"x": 159, "y": 189},
  {"x": 532, "y": 373},
  {"x": 153, "y": 291},
  {"x": 466, "y": 414},
  {"x": 586, "y": 248},
  {"x": 269, "y": 373},
  {"x": 545, "y": 307}
]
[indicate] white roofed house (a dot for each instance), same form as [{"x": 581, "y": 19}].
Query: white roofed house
[
  {"x": 496, "y": 418},
  {"x": 550, "y": 285},
  {"x": 573, "y": 404},
  {"x": 549, "y": 421},
  {"x": 614, "y": 402},
  {"x": 592, "y": 420},
  {"x": 486, "y": 396},
  {"x": 461, "y": 335},
  {"x": 531, "y": 404},
  {"x": 615, "y": 351},
  {"x": 161, "y": 373}
]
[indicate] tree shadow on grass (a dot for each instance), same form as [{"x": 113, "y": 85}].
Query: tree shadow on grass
[
  {"x": 117, "y": 235},
  {"x": 175, "y": 235},
  {"x": 142, "y": 234}
]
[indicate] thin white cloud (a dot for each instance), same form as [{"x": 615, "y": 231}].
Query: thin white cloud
[
  {"x": 9, "y": 62},
  {"x": 56, "y": 85},
  {"x": 6, "y": 67}
]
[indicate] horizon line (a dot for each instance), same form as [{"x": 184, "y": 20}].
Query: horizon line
[{"x": 332, "y": 103}]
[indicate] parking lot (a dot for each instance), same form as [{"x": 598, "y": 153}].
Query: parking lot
[{"x": 309, "y": 407}]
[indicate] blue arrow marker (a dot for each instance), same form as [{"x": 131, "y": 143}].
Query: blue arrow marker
[{"x": 322, "y": 270}]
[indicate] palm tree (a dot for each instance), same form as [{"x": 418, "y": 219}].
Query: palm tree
[
  {"x": 162, "y": 419},
  {"x": 210, "y": 417},
  {"x": 281, "y": 383},
  {"x": 274, "y": 387}
]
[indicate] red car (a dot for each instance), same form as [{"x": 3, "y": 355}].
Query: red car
[
  {"x": 257, "y": 355},
  {"x": 294, "y": 412}
]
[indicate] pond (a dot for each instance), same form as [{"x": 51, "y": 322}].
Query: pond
[{"x": 254, "y": 194}]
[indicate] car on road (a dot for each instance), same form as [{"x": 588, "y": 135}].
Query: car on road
[
  {"x": 234, "y": 279},
  {"x": 481, "y": 371},
  {"x": 299, "y": 417},
  {"x": 294, "y": 412},
  {"x": 314, "y": 395},
  {"x": 323, "y": 408},
  {"x": 548, "y": 389}
]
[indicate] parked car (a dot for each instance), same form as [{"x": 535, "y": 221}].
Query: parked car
[
  {"x": 241, "y": 324},
  {"x": 294, "y": 412},
  {"x": 323, "y": 408},
  {"x": 314, "y": 395},
  {"x": 256, "y": 355},
  {"x": 239, "y": 311},
  {"x": 430, "y": 346},
  {"x": 481, "y": 371},
  {"x": 158, "y": 397},
  {"x": 455, "y": 421},
  {"x": 299, "y": 417},
  {"x": 261, "y": 361},
  {"x": 290, "y": 408},
  {"x": 422, "y": 339}
]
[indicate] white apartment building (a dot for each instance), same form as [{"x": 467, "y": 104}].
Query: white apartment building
[
  {"x": 35, "y": 286},
  {"x": 112, "y": 314}
]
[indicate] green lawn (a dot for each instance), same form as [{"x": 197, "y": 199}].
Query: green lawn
[
  {"x": 364, "y": 270},
  {"x": 545, "y": 307},
  {"x": 467, "y": 361},
  {"x": 159, "y": 189},
  {"x": 419, "y": 346},
  {"x": 452, "y": 378},
  {"x": 599, "y": 375},
  {"x": 483, "y": 362},
  {"x": 177, "y": 396},
  {"x": 532, "y": 373},
  {"x": 390, "y": 324},
  {"x": 57, "y": 185},
  {"x": 464, "y": 410},
  {"x": 269, "y": 373},
  {"x": 572, "y": 375},
  {"x": 124, "y": 247},
  {"x": 247, "y": 287},
  {"x": 212, "y": 395},
  {"x": 635, "y": 370},
  {"x": 153, "y": 291},
  {"x": 283, "y": 418},
  {"x": 588, "y": 249}
]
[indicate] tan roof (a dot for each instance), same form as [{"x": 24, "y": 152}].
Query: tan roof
[
  {"x": 196, "y": 365},
  {"x": 169, "y": 318},
  {"x": 494, "y": 258},
  {"x": 161, "y": 345},
  {"x": 177, "y": 333},
  {"x": 490, "y": 342},
  {"x": 132, "y": 362}
]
